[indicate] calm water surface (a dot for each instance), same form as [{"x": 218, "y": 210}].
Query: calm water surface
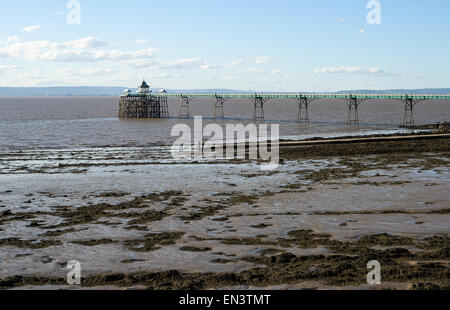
[{"x": 79, "y": 122}]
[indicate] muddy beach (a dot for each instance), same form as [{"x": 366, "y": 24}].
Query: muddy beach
[{"x": 135, "y": 218}]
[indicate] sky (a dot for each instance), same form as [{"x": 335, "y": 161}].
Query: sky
[{"x": 261, "y": 45}]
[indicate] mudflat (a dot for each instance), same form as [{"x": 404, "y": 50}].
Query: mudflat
[{"x": 135, "y": 219}]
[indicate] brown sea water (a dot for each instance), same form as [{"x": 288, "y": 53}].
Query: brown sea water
[{"x": 79, "y": 122}]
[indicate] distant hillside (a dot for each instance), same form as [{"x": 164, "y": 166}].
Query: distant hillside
[
  {"x": 92, "y": 91},
  {"x": 209, "y": 91},
  {"x": 425, "y": 91},
  {"x": 59, "y": 91},
  {"x": 115, "y": 91}
]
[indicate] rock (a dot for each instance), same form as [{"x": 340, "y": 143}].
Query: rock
[
  {"x": 46, "y": 259},
  {"x": 397, "y": 252},
  {"x": 284, "y": 258}
]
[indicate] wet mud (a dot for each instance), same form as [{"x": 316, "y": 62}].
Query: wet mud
[{"x": 319, "y": 218}]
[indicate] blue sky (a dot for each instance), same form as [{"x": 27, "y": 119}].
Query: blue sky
[{"x": 284, "y": 45}]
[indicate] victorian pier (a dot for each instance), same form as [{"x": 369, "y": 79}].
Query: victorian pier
[{"x": 144, "y": 104}]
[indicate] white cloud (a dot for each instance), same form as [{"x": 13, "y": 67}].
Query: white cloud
[
  {"x": 85, "y": 50},
  {"x": 31, "y": 28},
  {"x": 346, "y": 69},
  {"x": 183, "y": 63},
  {"x": 8, "y": 69},
  {"x": 208, "y": 66},
  {"x": 22, "y": 78},
  {"x": 12, "y": 39},
  {"x": 82, "y": 76},
  {"x": 88, "y": 42},
  {"x": 254, "y": 70},
  {"x": 229, "y": 78},
  {"x": 88, "y": 72},
  {"x": 70, "y": 51},
  {"x": 156, "y": 64},
  {"x": 341, "y": 20},
  {"x": 364, "y": 71},
  {"x": 163, "y": 76},
  {"x": 88, "y": 51},
  {"x": 234, "y": 63},
  {"x": 141, "y": 41},
  {"x": 263, "y": 60}
]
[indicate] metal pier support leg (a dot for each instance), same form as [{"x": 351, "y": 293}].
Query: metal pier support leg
[
  {"x": 303, "y": 118},
  {"x": 408, "y": 116},
  {"x": 353, "y": 117},
  {"x": 184, "y": 106},
  {"x": 218, "y": 108},
  {"x": 258, "y": 111},
  {"x": 164, "y": 107}
]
